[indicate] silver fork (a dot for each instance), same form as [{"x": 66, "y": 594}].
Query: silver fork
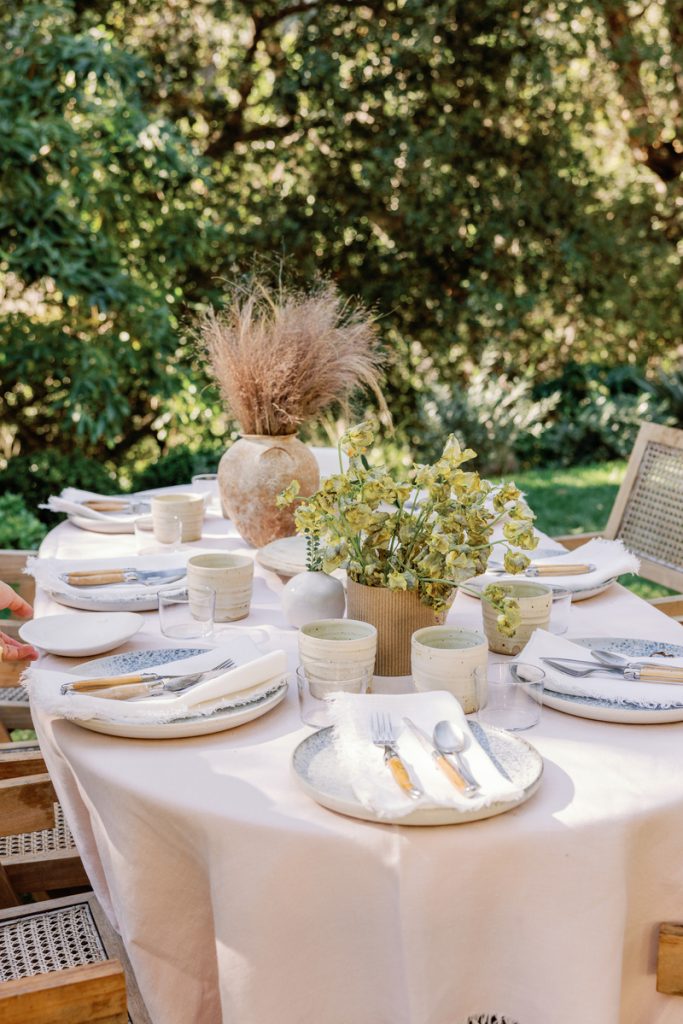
[{"x": 384, "y": 735}]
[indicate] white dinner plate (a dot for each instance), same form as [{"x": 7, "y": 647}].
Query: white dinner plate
[
  {"x": 318, "y": 772},
  {"x": 632, "y": 713},
  {"x": 245, "y": 710},
  {"x": 286, "y": 556},
  {"x": 117, "y": 525},
  {"x": 82, "y": 633}
]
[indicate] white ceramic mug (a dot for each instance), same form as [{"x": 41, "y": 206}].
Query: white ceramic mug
[
  {"x": 448, "y": 658},
  {"x": 230, "y": 576},
  {"x": 190, "y": 509},
  {"x": 331, "y": 650}
]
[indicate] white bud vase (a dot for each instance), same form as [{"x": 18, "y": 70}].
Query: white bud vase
[{"x": 310, "y": 596}]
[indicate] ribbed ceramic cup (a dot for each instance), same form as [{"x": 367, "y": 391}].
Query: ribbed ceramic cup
[
  {"x": 535, "y": 603},
  {"x": 230, "y": 576},
  {"x": 447, "y": 658},
  {"x": 190, "y": 508},
  {"x": 332, "y": 649}
]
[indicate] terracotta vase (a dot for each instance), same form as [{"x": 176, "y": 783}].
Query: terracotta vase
[
  {"x": 252, "y": 473},
  {"x": 396, "y": 614}
]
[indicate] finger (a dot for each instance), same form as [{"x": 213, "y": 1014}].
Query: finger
[
  {"x": 18, "y": 652},
  {"x": 19, "y": 606}
]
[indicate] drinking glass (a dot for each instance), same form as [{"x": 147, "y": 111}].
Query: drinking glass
[
  {"x": 513, "y": 697},
  {"x": 314, "y": 706},
  {"x": 207, "y": 485},
  {"x": 187, "y": 613},
  {"x": 149, "y": 543},
  {"x": 559, "y": 613}
]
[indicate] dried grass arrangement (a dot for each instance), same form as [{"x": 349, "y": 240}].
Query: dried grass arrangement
[{"x": 282, "y": 357}]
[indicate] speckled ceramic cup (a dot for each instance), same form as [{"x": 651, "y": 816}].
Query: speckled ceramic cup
[
  {"x": 535, "y": 603},
  {"x": 447, "y": 658},
  {"x": 230, "y": 576},
  {"x": 190, "y": 509},
  {"x": 331, "y": 649}
]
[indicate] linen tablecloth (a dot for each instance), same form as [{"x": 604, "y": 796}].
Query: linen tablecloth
[{"x": 241, "y": 901}]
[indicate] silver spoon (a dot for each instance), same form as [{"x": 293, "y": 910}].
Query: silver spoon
[
  {"x": 448, "y": 742},
  {"x": 619, "y": 661}
]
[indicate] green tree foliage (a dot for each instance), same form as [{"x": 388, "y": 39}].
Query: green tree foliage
[{"x": 497, "y": 176}]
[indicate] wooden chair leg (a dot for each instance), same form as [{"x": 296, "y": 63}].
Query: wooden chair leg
[
  {"x": 670, "y": 959},
  {"x": 93, "y": 994},
  {"x": 8, "y": 897}
]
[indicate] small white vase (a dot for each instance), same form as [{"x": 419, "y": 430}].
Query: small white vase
[{"x": 310, "y": 596}]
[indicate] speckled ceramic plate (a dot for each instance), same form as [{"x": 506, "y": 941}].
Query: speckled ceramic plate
[
  {"x": 286, "y": 556},
  {"x": 631, "y": 713},
  {"x": 317, "y": 770},
  {"x": 245, "y": 710}
]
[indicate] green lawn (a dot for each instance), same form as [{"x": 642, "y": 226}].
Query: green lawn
[{"x": 579, "y": 500}]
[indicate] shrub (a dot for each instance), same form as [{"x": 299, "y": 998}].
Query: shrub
[
  {"x": 178, "y": 467},
  {"x": 36, "y": 477},
  {"x": 492, "y": 414},
  {"x": 19, "y": 528}
]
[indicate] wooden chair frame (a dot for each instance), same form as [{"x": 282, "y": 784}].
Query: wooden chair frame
[
  {"x": 24, "y": 779},
  {"x": 649, "y": 433}
]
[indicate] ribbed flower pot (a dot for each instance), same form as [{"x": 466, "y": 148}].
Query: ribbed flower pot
[
  {"x": 253, "y": 472},
  {"x": 395, "y": 614}
]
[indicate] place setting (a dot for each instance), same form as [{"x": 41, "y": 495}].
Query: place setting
[{"x": 168, "y": 693}]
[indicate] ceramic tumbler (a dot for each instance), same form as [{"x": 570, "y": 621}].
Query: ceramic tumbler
[
  {"x": 333, "y": 649},
  {"x": 230, "y": 576},
  {"x": 190, "y": 509},
  {"x": 535, "y": 602},
  {"x": 448, "y": 658}
]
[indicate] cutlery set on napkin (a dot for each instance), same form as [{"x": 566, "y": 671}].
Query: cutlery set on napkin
[
  {"x": 110, "y": 576},
  {"x": 575, "y": 670},
  {"x": 590, "y": 565},
  {"x": 90, "y": 505},
  {"x": 389, "y": 751},
  {"x": 226, "y": 676}
]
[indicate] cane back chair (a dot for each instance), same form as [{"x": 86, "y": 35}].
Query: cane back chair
[{"x": 648, "y": 512}]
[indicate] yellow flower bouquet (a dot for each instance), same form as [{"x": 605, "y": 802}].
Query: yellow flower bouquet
[{"x": 427, "y": 534}]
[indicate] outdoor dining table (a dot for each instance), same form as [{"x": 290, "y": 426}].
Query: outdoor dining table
[{"x": 240, "y": 900}]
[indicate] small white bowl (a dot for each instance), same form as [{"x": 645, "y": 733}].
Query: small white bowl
[{"x": 82, "y": 633}]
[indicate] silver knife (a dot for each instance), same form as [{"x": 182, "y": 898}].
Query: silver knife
[
  {"x": 449, "y": 770},
  {"x": 574, "y": 667},
  {"x": 104, "y": 577}
]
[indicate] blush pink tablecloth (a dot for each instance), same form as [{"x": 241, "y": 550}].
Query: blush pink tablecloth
[{"x": 241, "y": 901}]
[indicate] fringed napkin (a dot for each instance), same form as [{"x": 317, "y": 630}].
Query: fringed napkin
[
  {"x": 70, "y": 502},
  {"x": 47, "y": 573},
  {"x": 363, "y": 763}
]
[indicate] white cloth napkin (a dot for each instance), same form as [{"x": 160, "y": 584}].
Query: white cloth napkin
[
  {"x": 254, "y": 673},
  {"x": 363, "y": 763},
  {"x": 47, "y": 572},
  {"x": 609, "y": 557},
  {"x": 69, "y": 501},
  {"x": 603, "y": 686}
]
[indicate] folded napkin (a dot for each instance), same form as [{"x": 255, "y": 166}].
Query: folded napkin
[
  {"x": 47, "y": 571},
  {"x": 69, "y": 501},
  {"x": 362, "y": 763},
  {"x": 254, "y": 674},
  {"x": 609, "y": 557},
  {"x": 603, "y": 686}
]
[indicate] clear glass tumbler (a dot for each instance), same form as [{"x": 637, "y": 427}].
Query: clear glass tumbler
[
  {"x": 559, "y": 613},
  {"x": 187, "y": 613},
  {"x": 207, "y": 484},
  {"x": 514, "y": 696},
  {"x": 148, "y": 543},
  {"x": 315, "y": 694}
]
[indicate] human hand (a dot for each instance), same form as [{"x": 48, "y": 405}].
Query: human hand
[
  {"x": 12, "y": 650},
  {"x": 10, "y": 599}
]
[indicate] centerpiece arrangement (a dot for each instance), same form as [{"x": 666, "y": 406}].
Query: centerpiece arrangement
[
  {"x": 281, "y": 358},
  {"x": 406, "y": 546}
]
